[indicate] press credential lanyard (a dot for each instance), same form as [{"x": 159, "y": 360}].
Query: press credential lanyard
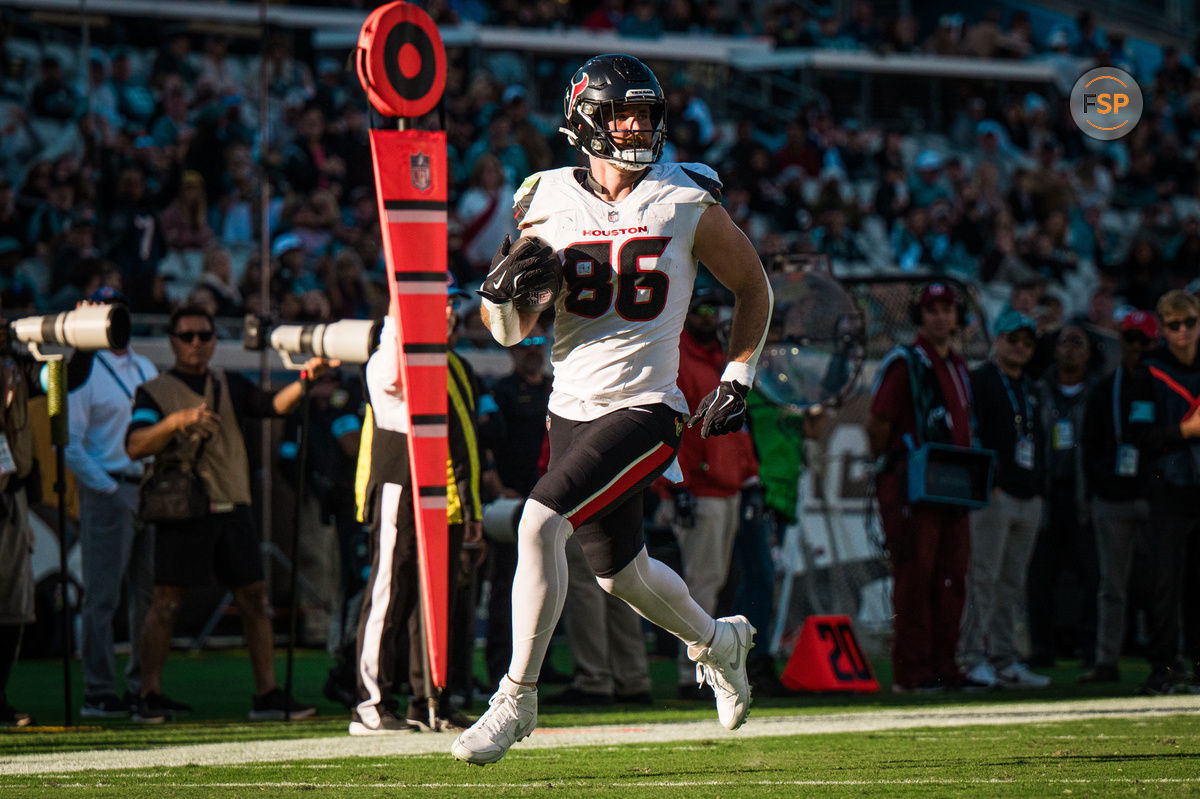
[
  {"x": 120, "y": 382},
  {"x": 1023, "y": 455},
  {"x": 1127, "y": 454}
]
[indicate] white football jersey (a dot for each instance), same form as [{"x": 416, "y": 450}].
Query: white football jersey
[{"x": 628, "y": 272}]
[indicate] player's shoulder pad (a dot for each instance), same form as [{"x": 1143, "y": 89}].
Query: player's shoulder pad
[
  {"x": 529, "y": 199},
  {"x": 704, "y": 177},
  {"x": 523, "y": 196}
]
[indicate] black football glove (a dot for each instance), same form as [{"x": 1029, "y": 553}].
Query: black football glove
[
  {"x": 723, "y": 410},
  {"x": 518, "y": 268}
]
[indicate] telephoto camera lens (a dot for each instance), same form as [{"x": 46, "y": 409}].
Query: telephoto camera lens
[{"x": 93, "y": 327}]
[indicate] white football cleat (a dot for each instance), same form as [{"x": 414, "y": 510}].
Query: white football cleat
[
  {"x": 722, "y": 664},
  {"x": 510, "y": 717}
]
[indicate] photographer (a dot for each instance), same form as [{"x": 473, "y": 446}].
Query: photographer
[
  {"x": 194, "y": 414},
  {"x": 20, "y": 379}
]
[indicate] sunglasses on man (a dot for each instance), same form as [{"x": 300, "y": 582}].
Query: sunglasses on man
[
  {"x": 1135, "y": 337},
  {"x": 188, "y": 336},
  {"x": 1174, "y": 325}
]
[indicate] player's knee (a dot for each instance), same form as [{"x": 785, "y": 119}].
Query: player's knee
[
  {"x": 623, "y": 584},
  {"x": 541, "y": 526},
  {"x": 608, "y": 584}
]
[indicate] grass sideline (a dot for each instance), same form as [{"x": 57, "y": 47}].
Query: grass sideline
[
  {"x": 1089, "y": 757},
  {"x": 218, "y": 684}
]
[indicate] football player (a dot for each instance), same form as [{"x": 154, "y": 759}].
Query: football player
[{"x": 614, "y": 247}]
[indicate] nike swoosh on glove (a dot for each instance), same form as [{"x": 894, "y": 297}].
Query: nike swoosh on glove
[
  {"x": 516, "y": 263},
  {"x": 723, "y": 410}
]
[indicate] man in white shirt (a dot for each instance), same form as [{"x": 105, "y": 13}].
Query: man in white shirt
[{"x": 117, "y": 550}]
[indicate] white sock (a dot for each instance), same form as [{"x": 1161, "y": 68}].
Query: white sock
[
  {"x": 539, "y": 587},
  {"x": 655, "y": 591}
]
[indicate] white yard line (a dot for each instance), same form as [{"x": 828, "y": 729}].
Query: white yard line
[{"x": 424, "y": 744}]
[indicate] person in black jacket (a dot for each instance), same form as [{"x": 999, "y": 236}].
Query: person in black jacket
[
  {"x": 327, "y": 517},
  {"x": 1174, "y": 447},
  {"x": 1119, "y": 411},
  {"x": 1062, "y": 573},
  {"x": 1004, "y": 533}
]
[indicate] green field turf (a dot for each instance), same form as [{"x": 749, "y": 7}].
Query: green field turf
[
  {"x": 1092, "y": 755},
  {"x": 218, "y": 684},
  {"x": 1113, "y": 757}
]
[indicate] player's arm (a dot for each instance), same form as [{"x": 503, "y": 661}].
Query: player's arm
[
  {"x": 722, "y": 247},
  {"x": 515, "y": 268}
]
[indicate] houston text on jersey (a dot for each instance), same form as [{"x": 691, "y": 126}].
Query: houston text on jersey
[{"x": 621, "y": 231}]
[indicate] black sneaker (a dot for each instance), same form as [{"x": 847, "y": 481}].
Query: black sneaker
[
  {"x": 389, "y": 724},
  {"x": 929, "y": 685},
  {"x": 448, "y": 720},
  {"x": 336, "y": 690},
  {"x": 763, "y": 679},
  {"x": 11, "y": 717},
  {"x": 454, "y": 721},
  {"x": 1189, "y": 683},
  {"x": 149, "y": 709},
  {"x": 104, "y": 706},
  {"x": 1160, "y": 682},
  {"x": 1100, "y": 673},
  {"x": 574, "y": 697},
  {"x": 274, "y": 705},
  {"x": 173, "y": 705},
  {"x": 164, "y": 701}
]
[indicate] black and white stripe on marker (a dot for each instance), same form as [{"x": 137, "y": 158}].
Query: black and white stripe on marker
[
  {"x": 416, "y": 354},
  {"x": 414, "y": 211},
  {"x": 429, "y": 425},
  {"x": 432, "y": 497},
  {"x": 420, "y": 282}
]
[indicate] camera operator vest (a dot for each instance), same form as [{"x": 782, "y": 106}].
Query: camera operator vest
[{"x": 223, "y": 466}]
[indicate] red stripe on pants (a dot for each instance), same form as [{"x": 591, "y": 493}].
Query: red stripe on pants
[{"x": 649, "y": 462}]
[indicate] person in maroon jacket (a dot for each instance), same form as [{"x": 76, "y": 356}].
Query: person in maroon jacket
[
  {"x": 928, "y": 544},
  {"x": 714, "y": 471}
]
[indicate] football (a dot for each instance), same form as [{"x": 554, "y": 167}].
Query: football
[{"x": 537, "y": 287}]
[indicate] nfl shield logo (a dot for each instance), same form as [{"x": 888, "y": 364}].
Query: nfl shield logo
[
  {"x": 613, "y": 216},
  {"x": 419, "y": 167}
]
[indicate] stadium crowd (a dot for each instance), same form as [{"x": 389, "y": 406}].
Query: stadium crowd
[{"x": 140, "y": 171}]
